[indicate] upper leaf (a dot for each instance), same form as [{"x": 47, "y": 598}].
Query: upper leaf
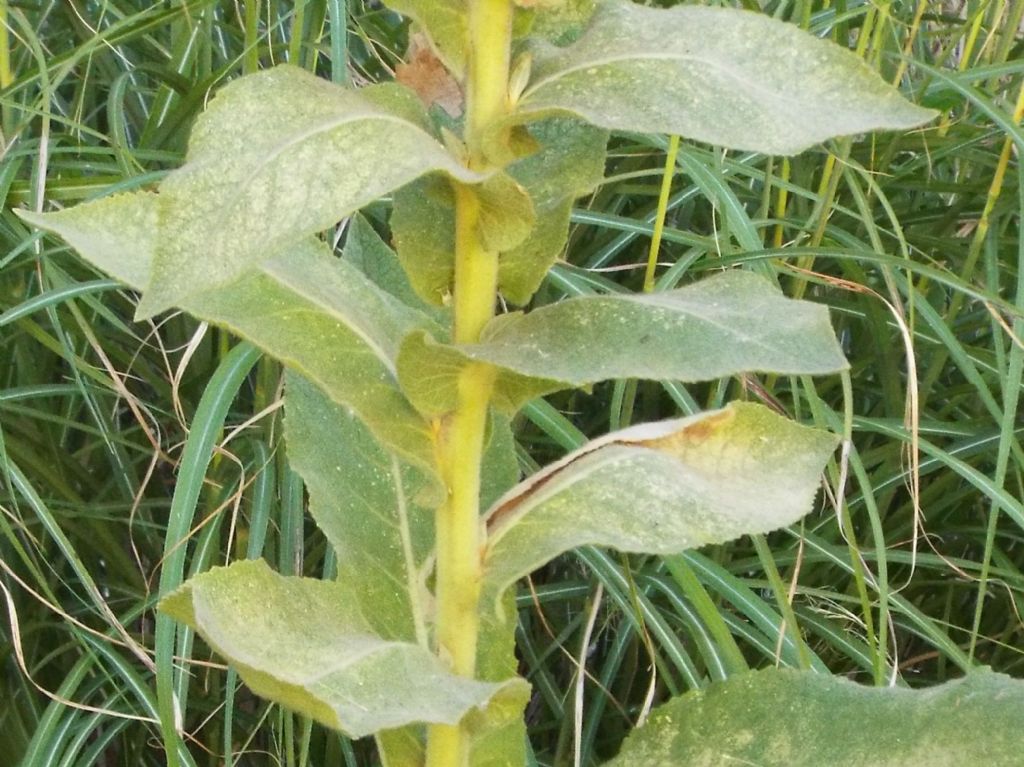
[
  {"x": 278, "y": 156},
  {"x": 305, "y": 644},
  {"x": 730, "y": 323},
  {"x": 660, "y": 488},
  {"x": 732, "y": 78},
  {"x": 569, "y": 162},
  {"x": 314, "y": 312},
  {"x": 788, "y": 718}
]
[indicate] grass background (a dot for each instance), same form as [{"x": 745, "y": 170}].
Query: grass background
[{"x": 913, "y": 241}]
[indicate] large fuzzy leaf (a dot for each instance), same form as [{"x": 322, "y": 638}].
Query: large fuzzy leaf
[
  {"x": 788, "y": 718},
  {"x": 307, "y": 645},
  {"x": 727, "y": 77},
  {"x": 314, "y": 312},
  {"x": 278, "y": 156},
  {"x": 660, "y": 488},
  {"x": 372, "y": 508},
  {"x": 729, "y": 323}
]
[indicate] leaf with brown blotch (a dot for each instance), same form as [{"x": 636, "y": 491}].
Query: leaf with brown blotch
[{"x": 659, "y": 488}]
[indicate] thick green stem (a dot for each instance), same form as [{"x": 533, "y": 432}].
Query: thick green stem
[
  {"x": 490, "y": 40},
  {"x": 460, "y": 440}
]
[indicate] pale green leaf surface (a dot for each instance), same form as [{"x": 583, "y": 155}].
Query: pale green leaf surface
[
  {"x": 445, "y": 24},
  {"x": 561, "y": 23},
  {"x": 522, "y": 269},
  {"x": 732, "y": 78},
  {"x": 375, "y": 259},
  {"x": 499, "y": 737},
  {"x": 423, "y": 228},
  {"x": 322, "y": 317},
  {"x": 506, "y": 213},
  {"x": 428, "y": 372},
  {"x": 369, "y": 505},
  {"x": 660, "y": 488},
  {"x": 278, "y": 156},
  {"x": 115, "y": 234},
  {"x": 305, "y": 644},
  {"x": 789, "y": 718},
  {"x": 569, "y": 163},
  {"x": 314, "y": 312},
  {"x": 371, "y": 508},
  {"x": 499, "y": 470},
  {"x": 733, "y": 322}
]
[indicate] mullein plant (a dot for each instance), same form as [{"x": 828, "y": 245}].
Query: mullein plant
[{"x": 401, "y": 379}]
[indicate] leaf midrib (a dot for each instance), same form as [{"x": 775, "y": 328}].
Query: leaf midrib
[{"x": 762, "y": 94}]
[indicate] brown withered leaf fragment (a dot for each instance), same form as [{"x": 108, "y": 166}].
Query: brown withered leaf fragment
[{"x": 426, "y": 74}]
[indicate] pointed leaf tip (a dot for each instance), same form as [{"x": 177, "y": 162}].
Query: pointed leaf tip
[{"x": 117, "y": 234}]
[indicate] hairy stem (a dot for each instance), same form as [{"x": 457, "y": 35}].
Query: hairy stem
[{"x": 460, "y": 440}]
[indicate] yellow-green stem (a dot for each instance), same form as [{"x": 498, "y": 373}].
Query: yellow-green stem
[
  {"x": 251, "y": 58},
  {"x": 6, "y": 74},
  {"x": 490, "y": 43},
  {"x": 659, "y": 221},
  {"x": 460, "y": 439}
]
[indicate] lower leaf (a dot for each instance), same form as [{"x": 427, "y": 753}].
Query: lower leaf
[
  {"x": 788, "y": 718},
  {"x": 304, "y": 643}
]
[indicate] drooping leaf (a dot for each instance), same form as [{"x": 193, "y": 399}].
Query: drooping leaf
[
  {"x": 660, "y": 488},
  {"x": 444, "y": 21},
  {"x": 730, "y": 323},
  {"x": 305, "y": 644},
  {"x": 789, "y": 718},
  {"x": 278, "y": 156},
  {"x": 733, "y": 78},
  {"x": 569, "y": 163},
  {"x": 371, "y": 508},
  {"x": 316, "y": 313}
]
